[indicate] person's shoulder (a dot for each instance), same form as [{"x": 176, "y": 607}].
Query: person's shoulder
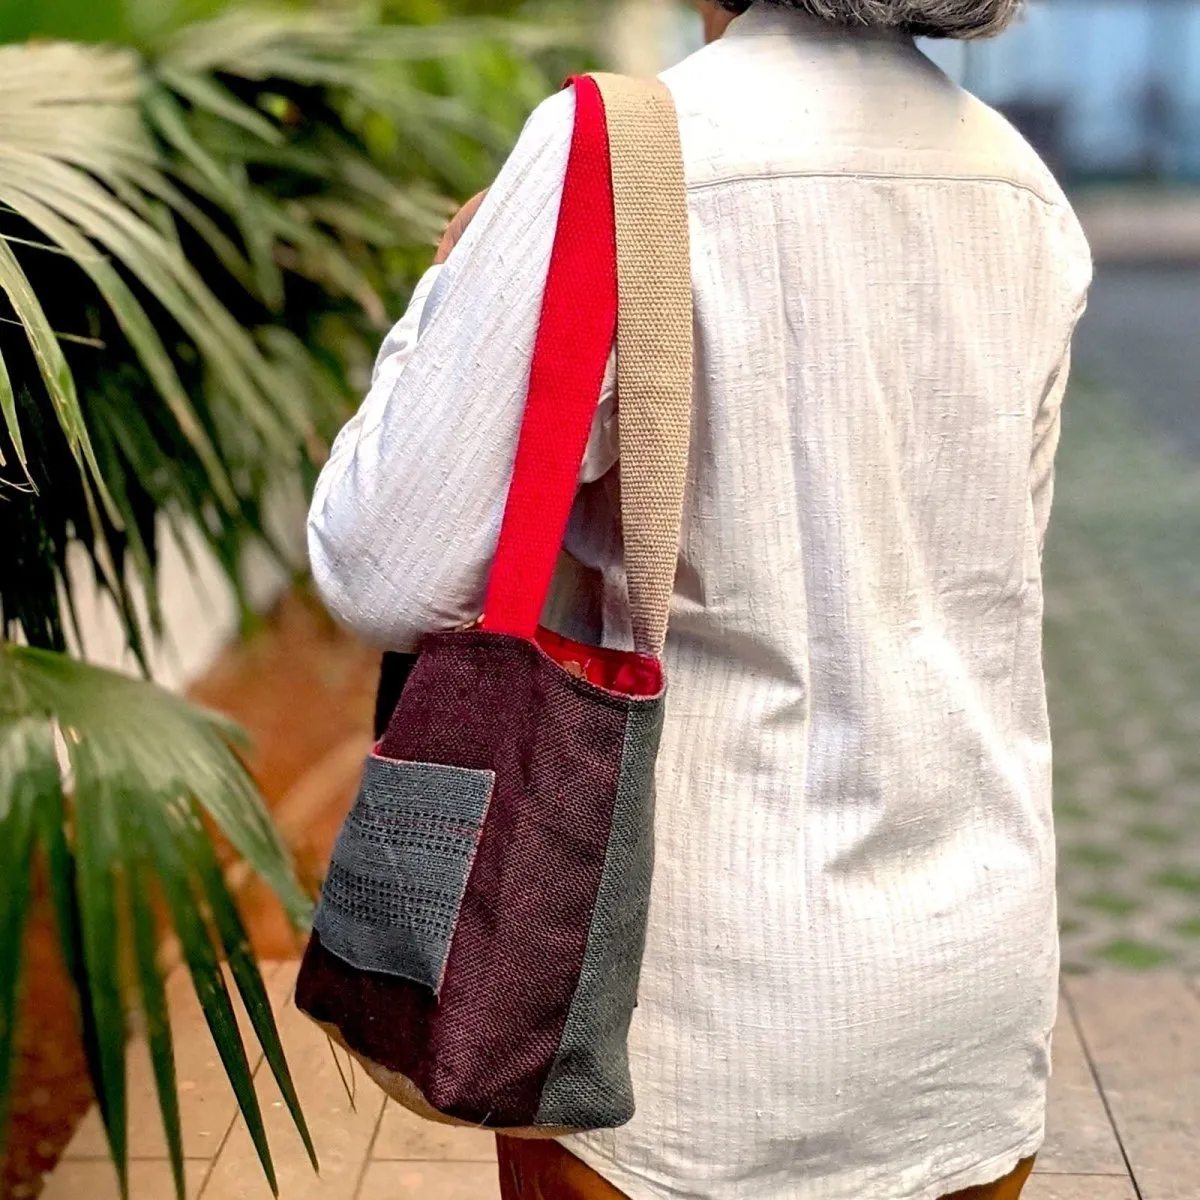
[
  {"x": 534, "y": 169},
  {"x": 550, "y": 124},
  {"x": 983, "y": 147},
  {"x": 998, "y": 149}
]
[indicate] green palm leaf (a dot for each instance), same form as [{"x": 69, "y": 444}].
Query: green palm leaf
[
  {"x": 316, "y": 47},
  {"x": 74, "y": 153},
  {"x": 265, "y": 173},
  {"x": 143, "y": 337},
  {"x": 8, "y": 410},
  {"x": 206, "y": 93},
  {"x": 153, "y": 995},
  {"x": 50, "y": 360},
  {"x": 98, "y": 881},
  {"x": 145, "y": 767},
  {"x": 178, "y": 846},
  {"x": 28, "y": 769}
]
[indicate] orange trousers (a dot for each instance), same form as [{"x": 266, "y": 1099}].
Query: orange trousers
[{"x": 539, "y": 1170}]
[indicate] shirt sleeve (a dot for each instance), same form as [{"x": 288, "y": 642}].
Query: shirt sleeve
[
  {"x": 1047, "y": 434},
  {"x": 406, "y": 514}
]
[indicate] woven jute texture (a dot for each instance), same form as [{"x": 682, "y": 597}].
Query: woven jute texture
[
  {"x": 654, "y": 341},
  {"x": 482, "y": 1050}
]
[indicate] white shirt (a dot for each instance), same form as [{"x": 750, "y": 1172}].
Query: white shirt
[{"x": 850, "y": 981}]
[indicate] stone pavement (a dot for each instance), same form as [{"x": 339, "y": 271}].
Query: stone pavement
[
  {"x": 1124, "y": 1118},
  {"x": 1123, "y": 629}
]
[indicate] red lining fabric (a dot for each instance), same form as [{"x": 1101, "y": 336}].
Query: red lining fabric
[
  {"x": 570, "y": 356},
  {"x": 616, "y": 670}
]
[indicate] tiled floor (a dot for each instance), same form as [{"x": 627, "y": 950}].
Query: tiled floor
[
  {"x": 1125, "y": 1105},
  {"x": 1122, "y": 615}
]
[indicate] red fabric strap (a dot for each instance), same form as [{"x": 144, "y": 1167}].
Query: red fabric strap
[{"x": 575, "y": 336}]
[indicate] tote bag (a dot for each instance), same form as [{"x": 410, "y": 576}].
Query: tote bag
[{"x": 480, "y": 933}]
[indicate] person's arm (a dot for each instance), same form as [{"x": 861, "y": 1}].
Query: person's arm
[
  {"x": 1047, "y": 432},
  {"x": 406, "y": 515},
  {"x": 1069, "y": 264}
]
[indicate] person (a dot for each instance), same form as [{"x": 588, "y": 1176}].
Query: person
[{"x": 850, "y": 982}]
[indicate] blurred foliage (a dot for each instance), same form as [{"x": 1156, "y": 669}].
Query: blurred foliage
[
  {"x": 204, "y": 231},
  {"x": 219, "y": 233},
  {"x": 144, "y": 23},
  {"x": 127, "y": 22}
]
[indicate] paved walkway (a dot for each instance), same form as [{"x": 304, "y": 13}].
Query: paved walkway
[
  {"x": 1123, "y": 629},
  {"x": 1124, "y": 1113},
  {"x": 1139, "y": 338}
]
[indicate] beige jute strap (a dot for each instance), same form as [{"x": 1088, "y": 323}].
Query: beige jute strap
[{"x": 654, "y": 341}]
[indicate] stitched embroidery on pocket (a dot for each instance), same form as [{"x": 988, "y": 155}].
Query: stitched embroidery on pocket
[{"x": 391, "y": 899}]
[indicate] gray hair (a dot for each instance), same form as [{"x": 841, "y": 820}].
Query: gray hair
[{"x": 926, "y": 18}]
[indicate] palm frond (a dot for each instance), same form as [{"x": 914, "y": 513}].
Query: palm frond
[
  {"x": 279, "y": 171},
  {"x": 8, "y": 410},
  {"x": 71, "y": 140},
  {"x": 146, "y": 770},
  {"x": 51, "y": 362},
  {"x": 28, "y": 769},
  {"x": 152, "y": 995}
]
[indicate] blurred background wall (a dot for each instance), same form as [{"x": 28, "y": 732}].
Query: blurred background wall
[{"x": 1107, "y": 89}]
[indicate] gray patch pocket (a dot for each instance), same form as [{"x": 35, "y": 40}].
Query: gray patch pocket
[{"x": 399, "y": 871}]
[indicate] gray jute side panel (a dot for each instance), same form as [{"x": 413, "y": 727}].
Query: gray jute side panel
[{"x": 589, "y": 1085}]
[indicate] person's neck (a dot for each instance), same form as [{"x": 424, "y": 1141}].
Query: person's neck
[{"x": 716, "y": 21}]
